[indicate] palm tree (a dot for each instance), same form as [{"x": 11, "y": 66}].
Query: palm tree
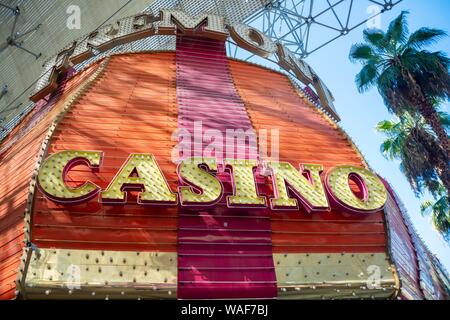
[
  {"x": 408, "y": 77},
  {"x": 411, "y": 140},
  {"x": 440, "y": 213}
]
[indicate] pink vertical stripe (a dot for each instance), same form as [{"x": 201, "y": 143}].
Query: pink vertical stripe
[{"x": 222, "y": 253}]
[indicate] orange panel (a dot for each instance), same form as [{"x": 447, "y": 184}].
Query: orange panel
[
  {"x": 131, "y": 109},
  {"x": 305, "y": 137},
  {"x": 18, "y": 154}
]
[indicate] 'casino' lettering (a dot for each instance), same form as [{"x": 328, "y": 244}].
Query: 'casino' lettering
[{"x": 352, "y": 188}]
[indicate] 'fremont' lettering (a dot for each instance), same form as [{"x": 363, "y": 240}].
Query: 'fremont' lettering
[{"x": 172, "y": 22}]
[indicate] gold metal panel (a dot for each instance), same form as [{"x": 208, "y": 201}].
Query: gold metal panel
[
  {"x": 334, "y": 276},
  {"x": 66, "y": 274}
]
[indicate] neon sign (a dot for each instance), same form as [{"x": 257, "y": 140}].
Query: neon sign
[{"x": 200, "y": 186}]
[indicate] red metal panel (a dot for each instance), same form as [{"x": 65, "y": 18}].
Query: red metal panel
[
  {"x": 403, "y": 250},
  {"x": 428, "y": 279}
]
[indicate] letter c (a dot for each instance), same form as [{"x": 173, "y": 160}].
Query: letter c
[{"x": 51, "y": 176}]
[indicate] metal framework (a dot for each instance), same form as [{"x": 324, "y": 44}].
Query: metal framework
[
  {"x": 305, "y": 26},
  {"x": 4, "y": 90},
  {"x": 15, "y": 37}
]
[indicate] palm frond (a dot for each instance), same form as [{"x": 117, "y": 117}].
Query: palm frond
[
  {"x": 385, "y": 126},
  {"x": 430, "y": 71},
  {"x": 375, "y": 37},
  {"x": 439, "y": 211},
  {"x": 386, "y": 146},
  {"x": 445, "y": 119},
  {"x": 425, "y": 207},
  {"x": 398, "y": 29},
  {"x": 367, "y": 77},
  {"x": 425, "y": 37},
  {"x": 361, "y": 52},
  {"x": 391, "y": 148}
]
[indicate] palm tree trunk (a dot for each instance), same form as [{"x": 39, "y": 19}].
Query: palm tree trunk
[
  {"x": 431, "y": 116},
  {"x": 444, "y": 175},
  {"x": 429, "y": 113}
]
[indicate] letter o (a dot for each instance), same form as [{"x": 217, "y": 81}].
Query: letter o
[
  {"x": 374, "y": 191},
  {"x": 252, "y": 40}
]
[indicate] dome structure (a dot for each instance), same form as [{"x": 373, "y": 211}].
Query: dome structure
[{"x": 78, "y": 220}]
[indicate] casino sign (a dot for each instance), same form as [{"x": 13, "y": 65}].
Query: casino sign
[{"x": 94, "y": 205}]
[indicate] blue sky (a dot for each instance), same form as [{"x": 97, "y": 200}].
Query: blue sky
[{"x": 361, "y": 112}]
